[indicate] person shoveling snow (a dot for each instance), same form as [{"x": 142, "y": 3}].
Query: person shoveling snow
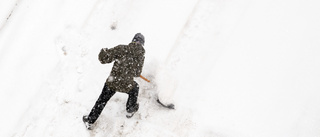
[{"x": 128, "y": 63}]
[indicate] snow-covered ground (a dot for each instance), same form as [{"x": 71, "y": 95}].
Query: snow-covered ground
[{"x": 232, "y": 68}]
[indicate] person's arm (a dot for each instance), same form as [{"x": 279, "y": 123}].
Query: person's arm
[
  {"x": 140, "y": 64},
  {"x": 109, "y": 55}
]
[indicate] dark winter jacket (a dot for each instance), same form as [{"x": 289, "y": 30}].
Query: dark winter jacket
[{"x": 128, "y": 63}]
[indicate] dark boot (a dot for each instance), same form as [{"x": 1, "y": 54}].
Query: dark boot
[
  {"x": 86, "y": 122},
  {"x": 104, "y": 97},
  {"x": 132, "y": 105}
]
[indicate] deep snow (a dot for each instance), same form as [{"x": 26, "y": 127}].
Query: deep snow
[{"x": 232, "y": 68}]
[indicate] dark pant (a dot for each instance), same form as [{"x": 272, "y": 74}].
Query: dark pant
[{"x": 105, "y": 96}]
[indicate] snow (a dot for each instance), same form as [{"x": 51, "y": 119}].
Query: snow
[{"x": 232, "y": 68}]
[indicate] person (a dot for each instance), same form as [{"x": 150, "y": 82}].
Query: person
[{"x": 128, "y": 63}]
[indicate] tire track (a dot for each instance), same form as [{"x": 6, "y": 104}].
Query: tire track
[
  {"x": 181, "y": 34},
  {"x": 10, "y": 14}
]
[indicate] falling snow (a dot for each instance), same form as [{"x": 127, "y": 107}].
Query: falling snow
[{"x": 232, "y": 68}]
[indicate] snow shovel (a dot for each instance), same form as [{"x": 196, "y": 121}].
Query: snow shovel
[{"x": 169, "y": 106}]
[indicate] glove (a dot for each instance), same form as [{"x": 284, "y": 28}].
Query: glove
[{"x": 102, "y": 55}]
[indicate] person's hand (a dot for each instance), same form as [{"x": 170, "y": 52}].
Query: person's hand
[{"x": 102, "y": 55}]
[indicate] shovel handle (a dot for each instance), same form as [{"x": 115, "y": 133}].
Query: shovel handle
[{"x": 144, "y": 78}]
